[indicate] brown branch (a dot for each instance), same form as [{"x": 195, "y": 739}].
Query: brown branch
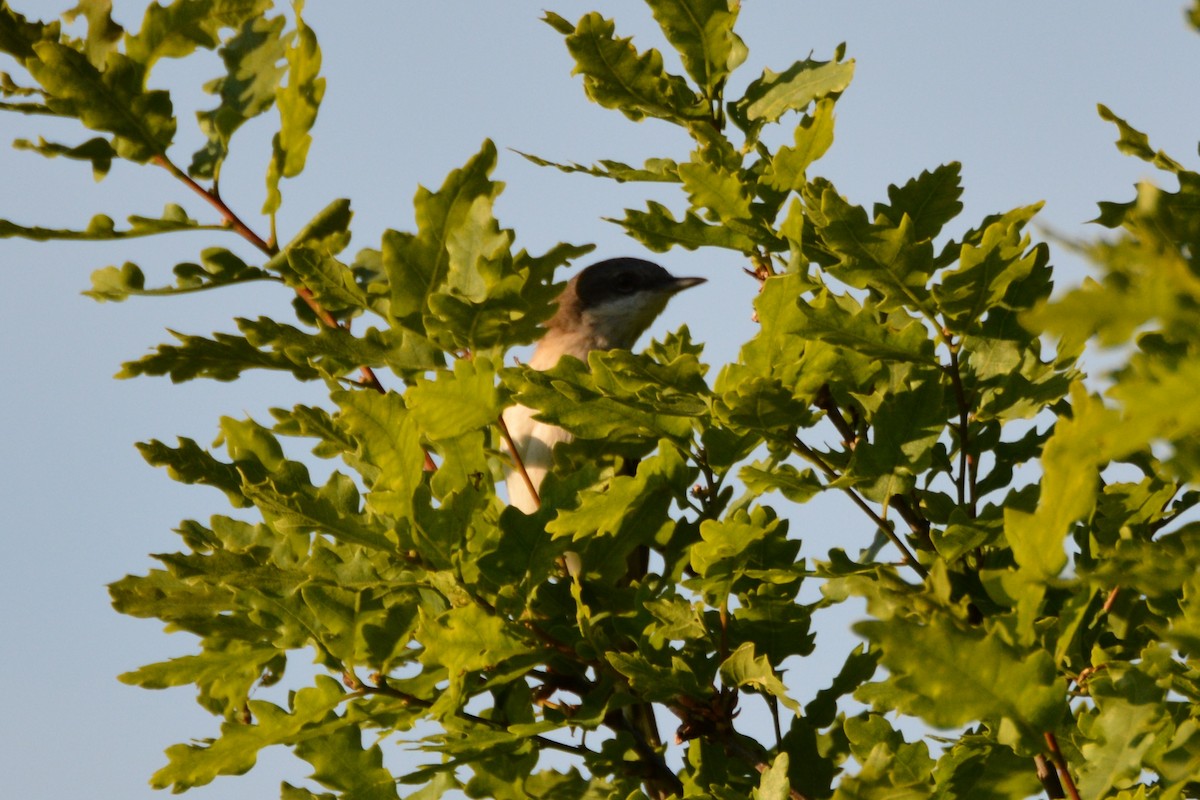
[
  {"x": 518, "y": 461},
  {"x": 824, "y": 401},
  {"x": 1060, "y": 764},
  {"x": 212, "y": 198},
  {"x": 271, "y": 248}
]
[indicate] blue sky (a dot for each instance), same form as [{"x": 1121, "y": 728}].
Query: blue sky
[{"x": 1008, "y": 89}]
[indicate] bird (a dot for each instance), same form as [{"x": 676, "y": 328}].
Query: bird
[{"x": 606, "y": 306}]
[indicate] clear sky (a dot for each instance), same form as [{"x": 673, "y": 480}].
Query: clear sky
[{"x": 1009, "y": 89}]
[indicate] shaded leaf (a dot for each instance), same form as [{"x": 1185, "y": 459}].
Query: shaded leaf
[
  {"x": 950, "y": 677},
  {"x": 656, "y": 170},
  {"x": 253, "y": 70},
  {"x": 113, "y": 101}
]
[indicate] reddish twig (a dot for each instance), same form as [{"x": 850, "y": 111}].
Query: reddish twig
[
  {"x": 518, "y": 461},
  {"x": 1060, "y": 765},
  {"x": 271, "y": 248}
]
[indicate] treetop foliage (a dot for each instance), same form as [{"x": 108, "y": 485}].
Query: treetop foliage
[{"x": 605, "y": 645}]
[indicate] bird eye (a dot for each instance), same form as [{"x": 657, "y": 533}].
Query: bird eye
[{"x": 626, "y": 284}]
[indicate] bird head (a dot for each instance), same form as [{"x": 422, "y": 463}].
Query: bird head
[{"x": 611, "y": 303}]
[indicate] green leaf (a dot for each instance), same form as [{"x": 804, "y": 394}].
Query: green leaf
[
  {"x": 950, "y": 677},
  {"x": 891, "y": 767},
  {"x": 340, "y": 762},
  {"x": 987, "y": 269},
  {"x": 888, "y": 259},
  {"x": 253, "y": 70},
  {"x": 236, "y": 750},
  {"x": 298, "y": 102},
  {"x": 974, "y": 769},
  {"x": 813, "y": 138},
  {"x": 1070, "y": 462},
  {"x": 616, "y": 75},
  {"x": 458, "y": 402},
  {"x": 295, "y": 506},
  {"x": 102, "y": 227},
  {"x": 858, "y": 668},
  {"x": 715, "y": 188},
  {"x": 569, "y": 396},
  {"x": 659, "y": 231},
  {"x": 388, "y": 446},
  {"x": 468, "y": 639},
  {"x": 743, "y": 543},
  {"x": 702, "y": 32},
  {"x": 223, "y": 358},
  {"x": 18, "y": 35},
  {"x": 98, "y": 151},
  {"x": 657, "y": 681},
  {"x": 774, "y": 784},
  {"x": 656, "y": 170},
  {"x": 218, "y": 267},
  {"x": 1135, "y": 143},
  {"x": 1130, "y": 718},
  {"x": 225, "y": 676},
  {"x": 904, "y": 430},
  {"x": 842, "y": 321},
  {"x": 776, "y": 348},
  {"x": 744, "y": 670},
  {"x": 178, "y": 28},
  {"x": 189, "y": 463},
  {"x": 103, "y": 33},
  {"x": 454, "y": 282},
  {"x": 327, "y": 232},
  {"x": 330, "y": 281},
  {"x": 628, "y": 512},
  {"x": 773, "y": 94},
  {"x": 114, "y": 101},
  {"x": 929, "y": 200},
  {"x": 796, "y": 485}
]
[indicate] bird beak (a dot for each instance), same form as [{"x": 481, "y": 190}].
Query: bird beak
[{"x": 685, "y": 283}]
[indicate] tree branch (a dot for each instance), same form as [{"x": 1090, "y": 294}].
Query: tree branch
[
  {"x": 518, "y": 462},
  {"x": 1060, "y": 764},
  {"x": 906, "y": 555},
  {"x": 271, "y": 248}
]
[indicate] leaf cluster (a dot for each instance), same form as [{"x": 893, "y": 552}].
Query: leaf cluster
[{"x": 899, "y": 364}]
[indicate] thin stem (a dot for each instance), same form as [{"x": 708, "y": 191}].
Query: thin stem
[
  {"x": 773, "y": 704},
  {"x": 518, "y": 462},
  {"x": 213, "y": 199},
  {"x": 1060, "y": 764},
  {"x": 271, "y": 248},
  {"x": 824, "y": 401},
  {"x": 813, "y": 457},
  {"x": 967, "y": 468},
  {"x": 409, "y": 699}
]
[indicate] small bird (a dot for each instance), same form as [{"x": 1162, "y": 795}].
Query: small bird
[{"x": 605, "y": 307}]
